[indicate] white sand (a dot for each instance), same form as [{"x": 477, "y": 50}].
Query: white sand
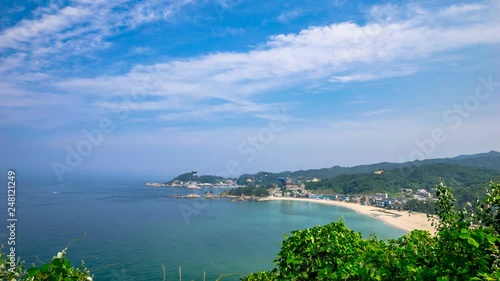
[{"x": 400, "y": 219}]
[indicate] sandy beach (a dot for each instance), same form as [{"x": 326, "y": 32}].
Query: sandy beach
[{"x": 400, "y": 219}]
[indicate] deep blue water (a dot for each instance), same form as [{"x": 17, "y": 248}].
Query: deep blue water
[{"x": 128, "y": 231}]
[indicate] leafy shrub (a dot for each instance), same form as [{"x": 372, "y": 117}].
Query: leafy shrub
[
  {"x": 465, "y": 247},
  {"x": 262, "y": 276},
  {"x": 59, "y": 269},
  {"x": 6, "y": 271}
]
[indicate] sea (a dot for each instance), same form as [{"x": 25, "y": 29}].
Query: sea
[{"x": 126, "y": 231}]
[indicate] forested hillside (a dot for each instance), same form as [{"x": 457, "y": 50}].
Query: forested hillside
[
  {"x": 201, "y": 179},
  {"x": 489, "y": 160},
  {"x": 467, "y": 181}
]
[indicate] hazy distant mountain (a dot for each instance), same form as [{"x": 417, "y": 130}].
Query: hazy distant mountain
[
  {"x": 489, "y": 160},
  {"x": 492, "y": 154}
]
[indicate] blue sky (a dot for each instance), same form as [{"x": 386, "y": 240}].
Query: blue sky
[{"x": 156, "y": 88}]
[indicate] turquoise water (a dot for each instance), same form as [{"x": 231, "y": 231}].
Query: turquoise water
[{"x": 129, "y": 231}]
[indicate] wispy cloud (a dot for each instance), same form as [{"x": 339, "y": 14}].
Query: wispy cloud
[
  {"x": 358, "y": 101},
  {"x": 289, "y": 15},
  {"x": 372, "y": 76},
  {"x": 15, "y": 9},
  {"x": 48, "y": 24},
  {"x": 232, "y": 109},
  {"x": 79, "y": 29},
  {"x": 195, "y": 79},
  {"x": 461, "y": 10},
  {"x": 142, "y": 50},
  {"x": 338, "y": 3},
  {"x": 227, "y": 31},
  {"x": 393, "y": 44},
  {"x": 375, "y": 112}
]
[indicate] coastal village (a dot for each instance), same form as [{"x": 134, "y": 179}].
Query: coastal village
[
  {"x": 287, "y": 187},
  {"x": 402, "y": 195},
  {"x": 406, "y": 209}
]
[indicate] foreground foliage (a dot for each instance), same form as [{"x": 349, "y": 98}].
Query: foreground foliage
[
  {"x": 465, "y": 247},
  {"x": 59, "y": 269}
]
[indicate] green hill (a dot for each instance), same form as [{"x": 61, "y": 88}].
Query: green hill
[
  {"x": 200, "y": 179},
  {"x": 489, "y": 160},
  {"x": 467, "y": 181}
]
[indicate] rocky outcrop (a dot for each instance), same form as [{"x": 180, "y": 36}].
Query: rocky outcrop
[{"x": 189, "y": 196}]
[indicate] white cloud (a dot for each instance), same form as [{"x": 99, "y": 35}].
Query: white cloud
[
  {"x": 358, "y": 101},
  {"x": 394, "y": 44},
  {"x": 316, "y": 52},
  {"x": 289, "y": 16},
  {"x": 142, "y": 50},
  {"x": 204, "y": 112},
  {"x": 47, "y": 24},
  {"x": 79, "y": 29},
  {"x": 16, "y": 9},
  {"x": 231, "y": 31},
  {"x": 373, "y": 76},
  {"x": 376, "y": 112},
  {"x": 460, "y": 10},
  {"x": 338, "y": 3}
]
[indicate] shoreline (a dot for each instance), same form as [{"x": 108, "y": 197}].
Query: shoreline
[{"x": 400, "y": 219}]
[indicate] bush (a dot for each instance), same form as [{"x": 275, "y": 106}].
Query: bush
[
  {"x": 465, "y": 247},
  {"x": 8, "y": 272},
  {"x": 262, "y": 276},
  {"x": 59, "y": 269}
]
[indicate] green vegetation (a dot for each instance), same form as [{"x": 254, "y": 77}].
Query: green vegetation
[
  {"x": 458, "y": 251},
  {"x": 250, "y": 190},
  {"x": 201, "y": 179},
  {"x": 59, "y": 269},
  {"x": 490, "y": 160},
  {"x": 467, "y": 181}
]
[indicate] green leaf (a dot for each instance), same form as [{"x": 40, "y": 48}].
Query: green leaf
[
  {"x": 44, "y": 268},
  {"x": 464, "y": 234},
  {"x": 66, "y": 264},
  {"x": 491, "y": 240},
  {"x": 473, "y": 242},
  {"x": 32, "y": 271}
]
